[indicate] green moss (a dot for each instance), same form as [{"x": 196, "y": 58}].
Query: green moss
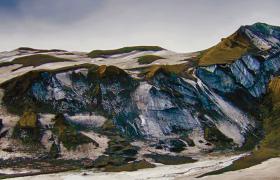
[
  {"x": 34, "y": 60},
  {"x": 133, "y": 166},
  {"x": 274, "y": 88},
  {"x": 176, "y": 145},
  {"x": 185, "y": 137},
  {"x": 101, "y": 161},
  {"x": 118, "y": 164},
  {"x": 271, "y": 120},
  {"x": 105, "y": 53},
  {"x": 28, "y": 120},
  {"x": 257, "y": 157},
  {"x": 96, "y": 90},
  {"x": 107, "y": 74},
  {"x": 251, "y": 140},
  {"x": 28, "y": 129},
  {"x": 120, "y": 146},
  {"x": 119, "y": 150},
  {"x": 228, "y": 50},
  {"x": 68, "y": 134},
  {"x": 177, "y": 69},
  {"x": 40, "y": 50},
  {"x": 110, "y": 71},
  {"x": 43, "y": 165},
  {"x": 169, "y": 159},
  {"x": 119, "y": 153},
  {"x": 148, "y": 59},
  {"x": 213, "y": 135},
  {"x": 54, "y": 151}
]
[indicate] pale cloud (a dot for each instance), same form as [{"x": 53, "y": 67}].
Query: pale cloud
[{"x": 179, "y": 25}]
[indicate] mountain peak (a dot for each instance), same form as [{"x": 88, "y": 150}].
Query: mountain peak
[{"x": 248, "y": 39}]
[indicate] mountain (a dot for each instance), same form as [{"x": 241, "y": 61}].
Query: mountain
[
  {"x": 254, "y": 40},
  {"x": 127, "y": 108}
]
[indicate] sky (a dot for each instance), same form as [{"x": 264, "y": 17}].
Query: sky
[{"x": 85, "y": 25}]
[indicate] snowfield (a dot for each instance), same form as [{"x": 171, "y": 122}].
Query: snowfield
[{"x": 161, "y": 172}]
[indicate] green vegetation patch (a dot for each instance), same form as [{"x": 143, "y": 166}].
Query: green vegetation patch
[
  {"x": 40, "y": 50},
  {"x": 28, "y": 128},
  {"x": 213, "y": 135},
  {"x": 110, "y": 72},
  {"x": 177, "y": 69},
  {"x": 120, "y": 154},
  {"x": 274, "y": 87},
  {"x": 117, "y": 164},
  {"x": 28, "y": 120},
  {"x": 108, "y": 75},
  {"x": 54, "y": 151},
  {"x": 119, "y": 146},
  {"x": 105, "y": 53},
  {"x": 43, "y": 165},
  {"x": 133, "y": 166},
  {"x": 228, "y": 50},
  {"x": 148, "y": 59},
  {"x": 68, "y": 134},
  {"x": 169, "y": 159},
  {"x": 34, "y": 60},
  {"x": 257, "y": 157}
]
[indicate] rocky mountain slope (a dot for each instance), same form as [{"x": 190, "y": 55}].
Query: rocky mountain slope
[{"x": 125, "y": 109}]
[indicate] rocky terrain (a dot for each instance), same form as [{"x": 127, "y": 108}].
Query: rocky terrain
[{"x": 139, "y": 107}]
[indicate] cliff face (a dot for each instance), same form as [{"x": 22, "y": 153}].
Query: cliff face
[
  {"x": 214, "y": 106},
  {"x": 249, "y": 74},
  {"x": 165, "y": 105}
]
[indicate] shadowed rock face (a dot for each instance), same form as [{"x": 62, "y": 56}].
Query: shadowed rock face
[
  {"x": 163, "y": 106},
  {"x": 250, "y": 74},
  {"x": 218, "y": 104}
]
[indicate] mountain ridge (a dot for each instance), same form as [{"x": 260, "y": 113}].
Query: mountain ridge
[{"x": 183, "y": 104}]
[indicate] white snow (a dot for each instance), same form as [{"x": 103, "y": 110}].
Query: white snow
[
  {"x": 161, "y": 172},
  {"x": 64, "y": 79},
  {"x": 91, "y": 120}
]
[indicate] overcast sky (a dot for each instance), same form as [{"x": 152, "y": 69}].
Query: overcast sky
[{"x": 84, "y": 25}]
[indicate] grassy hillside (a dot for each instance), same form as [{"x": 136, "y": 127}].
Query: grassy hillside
[
  {"x": 148, "y": 59},
  {"x": 34, "y": 60},
  {"x": 40, "y": 50},
  {"x": 271, "y": 123},
  {"x": 176, "y": 69},
  {"x": 228, "y": 50},
  {"x": 104, "y": 53},
  {"x": 274, "y": 87}
]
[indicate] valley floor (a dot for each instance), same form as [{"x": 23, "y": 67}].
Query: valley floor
[{"x": 268, "y": 170}]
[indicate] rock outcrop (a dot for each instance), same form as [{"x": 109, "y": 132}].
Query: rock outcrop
[{"x": 212, "y": 105}]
